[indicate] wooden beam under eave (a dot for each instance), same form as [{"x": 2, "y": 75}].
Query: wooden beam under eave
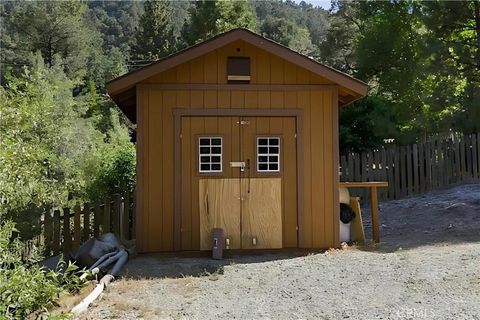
[
  {"x": 234, "y": 87},
  {"x": 127, "y": 95}
]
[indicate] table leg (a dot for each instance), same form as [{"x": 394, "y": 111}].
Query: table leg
[{"x": 374, "y": 210}]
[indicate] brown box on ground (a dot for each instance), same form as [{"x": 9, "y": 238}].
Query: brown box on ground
[{"x": 217, "y": 243}]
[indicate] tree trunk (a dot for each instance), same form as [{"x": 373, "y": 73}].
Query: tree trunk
[{"x": 476, "y": 14}]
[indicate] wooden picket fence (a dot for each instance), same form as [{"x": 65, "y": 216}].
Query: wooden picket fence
[
  {"x": 64, "y": 230},
  {"x": 415, "y": 169}
]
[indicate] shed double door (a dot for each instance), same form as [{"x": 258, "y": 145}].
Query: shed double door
[{"x": 239, "y": 174}]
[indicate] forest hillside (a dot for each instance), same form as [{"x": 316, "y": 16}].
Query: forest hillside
[{"x": 63, "y": 139}]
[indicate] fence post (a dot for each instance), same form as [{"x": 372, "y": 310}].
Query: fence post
[
  {"x": 444, "y": 171},
  {"x": 462, "y": 159},
  {"x": 403, "y": 171},
  {"x": 468, "y": 144},
  {"x": 76, "y": 227},
  {"x": 370, "y": 166},
  {"x": 364, "y": 175},
  {"x": 474, "y": 157},
  {"x": 351, "y": 176},
  {"x": 125, "y": 217},
  {"x": 458, "y": 169},
  {"x": 428, "y": 167},
  {"x": 97, "y": 219},
  {"x": 106, "y": 216},
  {"x": 436, "y": 163},
  {"x": 116, "y": 214},
  {"x": 67, "y": 237},
  {"x": 396, "y": 167},
  {"x": 478, "y": 154},
  {"x": 375, "y": 163},
  {"x": 86, "y": 221},
  {"x": 383, "y": 172},
  {"x": 357, "y": 164},
  {"x": 433, "y": 162},
  {"x": 409, "y": 179},
  {"x": 133, "y": 228},
  {"x": 438, "y": 160},
  {"x": 391, "y": 178},
  {"x": 415, "y": 170},
  {"x": 48, "y": 228},
  {"x": 448, "y": 161},
  {"x": 343, "y": 166},
  {"x": 56, "y": 232},
  {"x": 421, "y": 159}
]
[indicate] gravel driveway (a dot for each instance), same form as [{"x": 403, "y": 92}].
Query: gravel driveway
[{"x": 427, "y": 267}]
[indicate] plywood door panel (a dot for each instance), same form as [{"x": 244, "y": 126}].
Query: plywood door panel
[
  {"x": 219, "y": 208},
  {"x": 262, "y": 213},
  {"x": 285, "y": 206},
  {"x": 194, "y": 230}
]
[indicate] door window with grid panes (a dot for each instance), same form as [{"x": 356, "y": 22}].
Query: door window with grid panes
[
  {"x": 210, "y": 154},
  {"x": 268, "y": 154}
]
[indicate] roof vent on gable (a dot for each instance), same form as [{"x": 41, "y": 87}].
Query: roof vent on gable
[{"x": 238, "y": 70}]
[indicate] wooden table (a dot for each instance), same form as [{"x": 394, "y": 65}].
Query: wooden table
[{"x": 373, "y": 185}]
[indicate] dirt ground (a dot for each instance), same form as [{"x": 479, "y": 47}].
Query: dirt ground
[{"x": 426, "y": 267}]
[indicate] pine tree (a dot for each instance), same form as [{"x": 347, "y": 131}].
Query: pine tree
[
  {"x": 288, "y": 33},
  {"x": 154, "y": 38},
  {"x": 209, "y": 18},
  {"x": 57, "y": 29}
]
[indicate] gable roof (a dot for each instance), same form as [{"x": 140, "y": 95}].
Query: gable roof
[{"x": 120, "y": 89}]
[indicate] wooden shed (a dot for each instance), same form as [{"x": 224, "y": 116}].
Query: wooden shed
[{"x": 241, "y": 133}]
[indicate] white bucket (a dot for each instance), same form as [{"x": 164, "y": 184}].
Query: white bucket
[{"x": 345, "y": 232}]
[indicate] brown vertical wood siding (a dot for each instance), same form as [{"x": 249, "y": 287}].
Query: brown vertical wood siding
[{"x": 155, "y": 147}]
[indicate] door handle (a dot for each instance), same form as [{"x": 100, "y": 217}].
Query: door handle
[{"x": 238, "y": 164}]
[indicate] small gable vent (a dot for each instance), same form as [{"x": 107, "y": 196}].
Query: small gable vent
[{"x": 238, "y": 70}]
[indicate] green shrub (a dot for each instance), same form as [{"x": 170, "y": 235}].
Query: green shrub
[
  {"x": 115, "y": 172},
  {"x": 25, "y": 288},
  {"x": 57, "y": 149}
]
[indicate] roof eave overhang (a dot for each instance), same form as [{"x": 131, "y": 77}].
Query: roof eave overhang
[{"x": 348, "y": 100}]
